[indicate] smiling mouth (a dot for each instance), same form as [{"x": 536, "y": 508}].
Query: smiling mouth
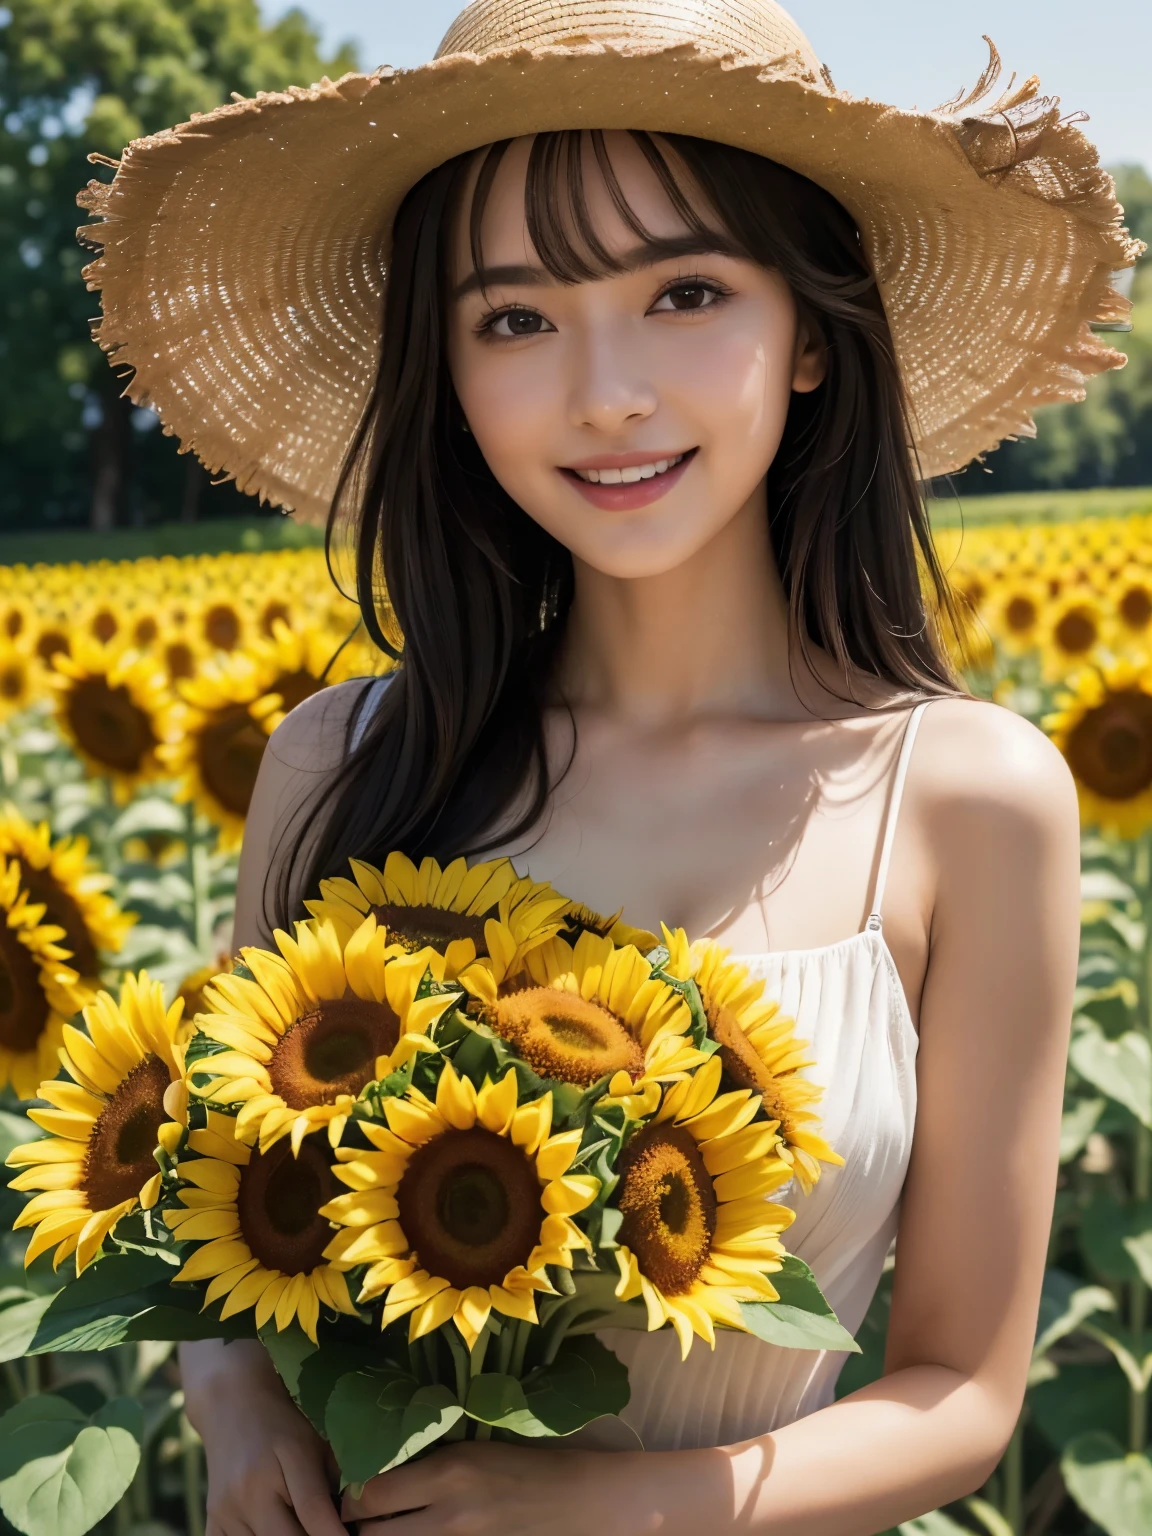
[{"x": 632, "y": 473}]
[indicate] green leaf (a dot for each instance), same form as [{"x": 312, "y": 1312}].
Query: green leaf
[
  {"x": 1104, "y": 885},
  {"x": 791, "y": 1328},
  {"x": 377, "y": 1419},
  {"x": 586, "y": 1381},
  {"x": 802, "y": 1318},
  {"x": 1120, "y": 1068},
  {"x": 935, "y": 1523},
  {"x": 19, "y": 1321},
  {"x": 500, "y": 1401},
  {"x": 60, "y": 1471},
  {"x": 1113, "y": 1233},
  {"x": 288, "y": 1349},
  {"x": 1111, "y": 1488},
  {"x": 318, "y": 1373},
  {"x": 147, "y": 815},
  {"x": 1085, "y": 1396},
  {"x": 1076, "y": 1125},
  {"x": 1064, "y": 1305},
  {"x": 94, "y": 1310}
]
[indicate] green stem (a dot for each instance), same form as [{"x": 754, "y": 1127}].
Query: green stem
[
  {"x": 522, "y": 1333},
  {"x": 1013, "y": 1470},
  {"x": 505, "y": 1345},
  {"x": 193, "y": 1470},
  {"x": 32, "y": 1374},
  {"x": 15, "y": 1381},
  {"x": 198, "y": 879},
  {"x": 431, "y": 1358}
]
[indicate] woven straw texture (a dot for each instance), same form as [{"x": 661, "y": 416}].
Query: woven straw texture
[{"x": 242, "y": 254}]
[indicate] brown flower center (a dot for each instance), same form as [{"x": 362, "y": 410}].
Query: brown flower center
[
  {"x": 13, "y": 681},
  {"x": 1110, "y": 749},
  {"x": 222, "y": 626},
  {"x": 108, "y": 725},
  {"x": 332, "y": 1050},
  {"x": 104, "y": 625},
  {"x": 23, "y": 1005},
  {"x": 669, "y": 1208},
  {"x": 1020, "y": 614},
  {"x": 13, "y": 623},
  {"x": 179, "y": 660},
  {"x": 145, "y": 629},
  {"x": 1136, "y": 607},
  {"x": 470, "y": 1207},
  {"x": 49, "y": 642},
  {"x": 1076, "y": 632},
  {"x": 119, "y": 1161},
  {"x": 741, "y": 1065},
  {"x": 415, "y": 928},
  {"x": 274, "y": 610},
  {"x": 61, "y": 908},
  {"x": 279, "y": 1202},
  {"x": 229, "y": 750},
  {"x": 295, "y": 687},
  {"x": 562, "y": 1035}
]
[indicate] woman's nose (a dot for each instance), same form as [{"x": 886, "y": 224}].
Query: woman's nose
[{"x": 607, "y": 390}]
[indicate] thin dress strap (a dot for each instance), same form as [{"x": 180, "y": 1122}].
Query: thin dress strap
[{"x": 875, "y": 921}]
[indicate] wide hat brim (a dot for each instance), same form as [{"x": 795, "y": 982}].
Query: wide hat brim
[{"x": 243, "y": 253}]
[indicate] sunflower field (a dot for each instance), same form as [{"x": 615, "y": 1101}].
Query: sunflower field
[{"x": 136, "y": 699}]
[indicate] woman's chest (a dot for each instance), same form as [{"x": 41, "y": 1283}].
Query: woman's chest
[{"x": 760, "y": 841}]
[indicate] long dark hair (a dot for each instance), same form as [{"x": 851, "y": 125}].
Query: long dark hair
[{"x": 479, "y": 593}]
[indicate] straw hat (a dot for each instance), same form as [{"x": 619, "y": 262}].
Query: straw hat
[{"x": 243, "y": 252}]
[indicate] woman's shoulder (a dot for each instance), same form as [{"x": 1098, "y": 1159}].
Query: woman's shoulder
[
  {"x": 313, "y": 737},
  {"x": 989, "y": 784}
]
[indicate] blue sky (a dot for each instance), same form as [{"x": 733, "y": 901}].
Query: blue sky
[{"x": 1096, "y": 57}]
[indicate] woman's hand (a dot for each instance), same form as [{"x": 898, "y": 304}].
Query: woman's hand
[
  {"x": 267, "y": 1467},
  {"x": 489, "y": 1490},
  {"x": 510, "y": 1490}
]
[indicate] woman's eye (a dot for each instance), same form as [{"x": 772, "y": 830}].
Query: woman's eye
[
  {"x": 517, "y": 322},
  {"x": 690, "y": 296}
]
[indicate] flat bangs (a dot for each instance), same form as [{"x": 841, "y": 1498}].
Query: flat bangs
[{"x": 560, "y": 225}]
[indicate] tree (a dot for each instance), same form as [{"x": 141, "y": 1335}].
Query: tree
[
  {"x": 76, "y": 76},
  {"x": 1106, "y": 440}
]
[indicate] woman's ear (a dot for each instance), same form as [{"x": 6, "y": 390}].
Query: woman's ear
[{"x": 810, "y": 363}]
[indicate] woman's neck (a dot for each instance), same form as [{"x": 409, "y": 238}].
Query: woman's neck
[{"x": 710, "y": 635}]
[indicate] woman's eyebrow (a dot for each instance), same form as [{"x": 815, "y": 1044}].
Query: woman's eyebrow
[{"x": 646, "y": 254}]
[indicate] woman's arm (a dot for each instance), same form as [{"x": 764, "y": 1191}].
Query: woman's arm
[
  {"x": 267, "y": 1472},
  {"x": 992, "y": 803}
]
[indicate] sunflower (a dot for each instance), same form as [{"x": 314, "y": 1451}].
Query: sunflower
[
  {"x": 39, "y": 990},
  {"x": 143, "y": 626},
  {"x": 219, "y": 753},
  {"x": 1103, "y": 726},
  {"x": 53, "y": 638},
  {"x": 18, "y": 674},
  {"x": 73, "y": 892},
  {"x": 15, "y": 617},
  {"x": 698, "y": 1234},
  {"x": 447, "y": 909},
  {"x": 580, "y": 919},
  {"x": 1072, "y": 630},
  {"x": 115, "y": 708},
  {"x": 578, "y": 1013},
  {"x": 191, "y": 989},
  {"x": 126, "y": 1099},
  {"x": 461, "y": 1205},
  {"x": 313, "y": 1027},
  {"x": 221, "y": 624},
  {"x": 300, "y": 663},
  {"x": 1132, "y": 598},
  {"x": 758, "y": 1050},
  {"x": 1014, "y": 613},
  {"x": 255, "y": 1217}
]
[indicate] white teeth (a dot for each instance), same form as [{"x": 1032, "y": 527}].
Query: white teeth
[{"x": 630, "y": 475}]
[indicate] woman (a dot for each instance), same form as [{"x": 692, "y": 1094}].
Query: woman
[{"x": 634, "y": 463}]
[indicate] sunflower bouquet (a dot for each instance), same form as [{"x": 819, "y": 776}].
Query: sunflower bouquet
[{"x": 433, "y": 1151}]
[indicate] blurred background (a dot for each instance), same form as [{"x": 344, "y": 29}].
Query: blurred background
[{"x": 155, "y": 627}]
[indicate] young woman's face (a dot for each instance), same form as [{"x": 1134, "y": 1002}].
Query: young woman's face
[{"x": 631, "y": 416}]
